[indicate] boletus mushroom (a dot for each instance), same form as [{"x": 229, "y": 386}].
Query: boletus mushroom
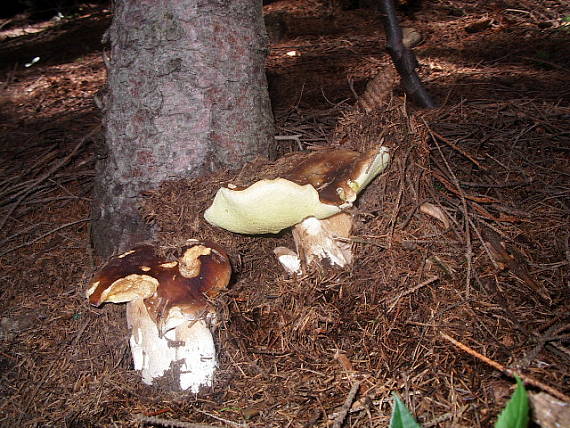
[
  {"x": 313, "y": 196},
  {"x": 169, "y": 309}
]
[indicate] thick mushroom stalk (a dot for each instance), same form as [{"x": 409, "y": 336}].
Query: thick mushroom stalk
[
  {"x": 312, "y": 196},
  {"x": 168, "y": 310},
  {"x": 187, "y": 350}
]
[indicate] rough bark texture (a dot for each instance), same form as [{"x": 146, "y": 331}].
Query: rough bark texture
[{"x": 187, "y": 95}]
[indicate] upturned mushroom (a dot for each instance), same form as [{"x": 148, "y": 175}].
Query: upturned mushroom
[
  {"x": 313, "y": 196},
  {"x": 169, "y": 309}
]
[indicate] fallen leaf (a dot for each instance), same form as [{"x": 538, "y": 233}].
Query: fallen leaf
[{"x": 436, "y": 212}]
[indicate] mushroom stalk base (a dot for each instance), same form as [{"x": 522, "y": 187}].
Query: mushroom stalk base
[
  {"x": 185, "y": 356},
  {"x": 321, "y": 242}
]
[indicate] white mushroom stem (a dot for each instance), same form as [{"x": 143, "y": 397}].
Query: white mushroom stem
[
  {"x": 324, "y": 241},
  {"x": 187, "y": 350}
]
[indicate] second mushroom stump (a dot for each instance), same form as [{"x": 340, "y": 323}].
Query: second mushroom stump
[{"x": 312, "y": 196}]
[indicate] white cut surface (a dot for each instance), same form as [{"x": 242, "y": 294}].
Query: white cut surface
[
  {"x": 289, "y": 260},
  {"x": 190, "y": 345}
]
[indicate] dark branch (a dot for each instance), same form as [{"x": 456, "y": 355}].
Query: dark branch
[{"x": 403, "y": 58}]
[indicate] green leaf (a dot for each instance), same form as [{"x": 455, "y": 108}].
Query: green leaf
[
  {"x": 515, "y": 414},
  {"x": 401, "y": 416}
]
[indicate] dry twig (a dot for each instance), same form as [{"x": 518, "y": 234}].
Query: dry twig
[
  {"x": 346, "y": 406},
  {"x": 509, "y": 372},
  {"x": 170, "y": 423}
]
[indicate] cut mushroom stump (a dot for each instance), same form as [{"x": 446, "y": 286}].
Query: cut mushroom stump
[
  {"x": 312, "y": 197},
  {"x": 168, "y": 310},
  {"x": 324, "y": 241}
]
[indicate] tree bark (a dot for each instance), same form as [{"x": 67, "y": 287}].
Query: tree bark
[{"x": 187, "y": 94}]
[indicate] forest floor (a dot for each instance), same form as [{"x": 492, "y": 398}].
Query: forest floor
[{"x": 486, "y": 263}]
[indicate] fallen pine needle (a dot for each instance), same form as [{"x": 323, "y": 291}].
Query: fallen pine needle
[
  {"x": 527, "y": 379},
  {"x": 171, "y": 423},
  {"x": 43, "y": 235},
  {"x": 226, "y": 421},
  {"x": 411, "y": 290}
]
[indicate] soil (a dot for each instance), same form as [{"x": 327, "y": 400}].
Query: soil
[{"x": 462, "y": 248}]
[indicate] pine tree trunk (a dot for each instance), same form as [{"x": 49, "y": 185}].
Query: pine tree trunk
[{"x": 187, "y": 94}]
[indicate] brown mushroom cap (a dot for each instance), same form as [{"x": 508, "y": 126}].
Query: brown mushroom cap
[
  {"x": 120, "y": 279},
  {"x": 202, "y": 271},
  {"x": 186, "y": 284},
  {"x": 327, "y": 171}
]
